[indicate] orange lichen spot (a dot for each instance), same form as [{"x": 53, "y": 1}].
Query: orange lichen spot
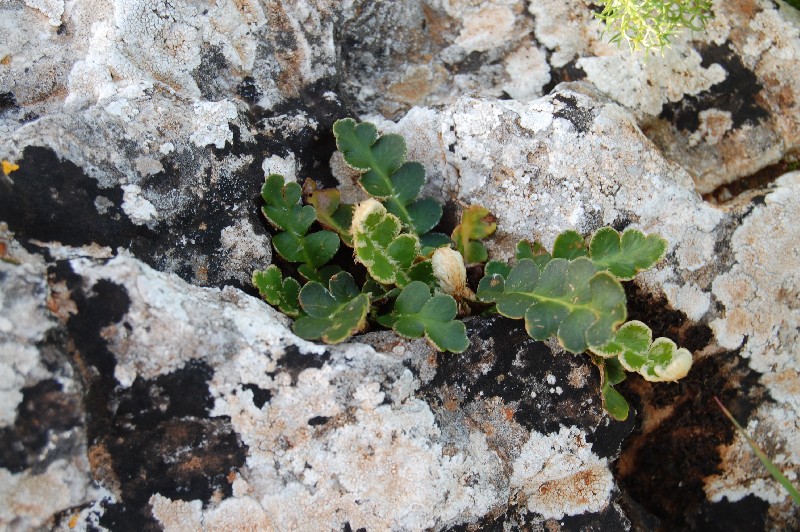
[
  {"x": 9, "y": 167},
  {"x": 451, "y": 404},
  {"x": 59, "y": 301},
  {"x": 5, "y": 256},
  {"x": 73, "y": 521},
  {"x": 231, "y": 477},
  {"x": 52, "y": 305},
  {"x": 202, "y": 274},
  {"x": 415, "y": 85},
  {"x": 6, "y": 60},
  {"x": 582, "y": 489},
  {"x": 432, "y": 360},
  {"x": 508, "y": 413}
]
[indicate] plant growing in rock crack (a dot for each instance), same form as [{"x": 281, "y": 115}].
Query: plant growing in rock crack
[
  {"x": 414, "y": 280},
  {"x": 650, "y": 24}
]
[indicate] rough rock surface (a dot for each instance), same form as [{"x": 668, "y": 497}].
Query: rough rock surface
[
  {"x": 150, "y": 85},
  {"x": 141, "y": 384},
  {"x": 573, "y": 161},
  {"x": 203, "y": 410},
  {"x": 722, "y": 102},
  {"x": 722, "y": 272},
  {"x": 44, "y": 466}
]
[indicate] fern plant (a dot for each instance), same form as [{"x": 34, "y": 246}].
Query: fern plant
[
  {"x": 650, "y": 24},
  {"x": 415, "y": 279}
]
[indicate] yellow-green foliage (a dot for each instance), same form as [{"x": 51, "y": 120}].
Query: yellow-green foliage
[{"x": 650, "y": 24}]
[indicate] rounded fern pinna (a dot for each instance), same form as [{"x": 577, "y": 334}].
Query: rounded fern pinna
[{"x": 416, "y": 282}]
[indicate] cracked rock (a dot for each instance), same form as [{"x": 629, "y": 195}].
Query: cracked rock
[{"x": 143, "y": 385}]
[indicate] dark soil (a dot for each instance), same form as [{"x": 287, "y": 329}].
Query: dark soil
[{"x": 680, "y": 431}]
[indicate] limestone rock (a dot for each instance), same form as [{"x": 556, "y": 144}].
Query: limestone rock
[
  {"x": 202, "y": 407},
  {"x": 141, "y": 111},
  {"x": 721, "y": 102},
  {"x": 44, "y": 466},
  {"x": 143, "y": 131},
  {"x": 573, "y": 160}
]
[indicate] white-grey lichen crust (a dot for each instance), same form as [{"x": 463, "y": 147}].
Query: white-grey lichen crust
[
  {"x": 381, "y": 465},
  {"x": 31, "y": 497},
  {"x": 540, "y": 174}
]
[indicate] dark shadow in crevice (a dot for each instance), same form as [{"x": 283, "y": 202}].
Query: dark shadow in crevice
[{"x": 753, "y": 183}]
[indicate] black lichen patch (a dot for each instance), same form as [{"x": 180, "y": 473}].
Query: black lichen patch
[
  {"x": 724, "y": 253},
  {"x": 248, "y": 90},
  {"x": 641, "y": 519},
  {"x": 182, "y": 458},
  {"x": 314, "y": 144},
  {"x": 451, "y": 217},
  {"x": 609, "y": 435},
  {"x": 156, "y": 436},
  {"x": 568, "y": 72},
  {"x": 118, "y": 517},
  {"x": 610, "y": 518},
  {"x": 8, "y": 102},
  {"x": 103, "y": 304},
  {"x": 472, "y": 63},
  {"x": 664, "y": 464},
  {"x": 54, "y": 200},
  {"x": 30, "y": 116},
  {"x": 182, "y": 393},
  {"x": 507, "y": 367},
  {"x": 260, "y": 395},
  {"x": 160, "y": 439},
  {"x": 621, "y": 223},
  {"x": 580, "y": 117},
  {"x": 46, "y": 409},
  {"x": 212, "y": 75},
  {"x": 738, "y": 93},
  {"x": 696, "y": 337},
  {"x": 348, "y": 528},
  {"x": 53, "y": 353},
  {"x": 547, "y": 389},
  {"x": 749, "y": 513},
  {"x": 295, "y": 362},
  {"x": 318, "y": 420}
]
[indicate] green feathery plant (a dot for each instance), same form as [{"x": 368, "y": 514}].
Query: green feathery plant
[
  {"x": 416, "y": 282},
  {"x": 650, "y": 24}
]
